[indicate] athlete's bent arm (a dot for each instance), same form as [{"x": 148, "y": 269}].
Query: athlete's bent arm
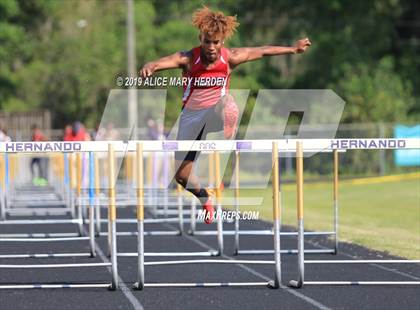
[
  {"x": 177, "y": 60},
  {"x": 245, "y": 54}
]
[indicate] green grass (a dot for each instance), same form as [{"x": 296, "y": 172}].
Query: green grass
[{"x": 381, "y": 216}]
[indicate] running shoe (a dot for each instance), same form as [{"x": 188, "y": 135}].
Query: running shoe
[
  {"x": 42, "y": 182},
  {"x": 230, "y": 112},
  {"x": 208, "y": 206},
  {"x": 208, "y": 211}
]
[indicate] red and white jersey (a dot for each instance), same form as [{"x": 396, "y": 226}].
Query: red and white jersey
[{"x": 206, "y": 86}]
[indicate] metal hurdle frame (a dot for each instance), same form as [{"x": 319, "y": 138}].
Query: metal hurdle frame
[
  {"x": 33, "y": 211},
  {"x": 112, "y": 215},
  {"x": 58, "y": 237},
  {"x": 300, "y": 282},
  {"x": 13, "y": 205},
  {"x": 152, "y": 201},
  {"x": 213, "y": 167},
  {"x": 237, "y": 232},
  {"x": 140, "y": 284},
  {"x": 180, "y": 220}
]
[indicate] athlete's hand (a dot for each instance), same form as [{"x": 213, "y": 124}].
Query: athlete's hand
[
  {"x": 147, "y": 70},
  {"x": 301, "y": 45}
]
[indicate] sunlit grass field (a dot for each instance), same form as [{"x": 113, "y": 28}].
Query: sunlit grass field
[{"x": 383, "y": 216}]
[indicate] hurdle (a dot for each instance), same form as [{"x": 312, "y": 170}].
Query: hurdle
[
  {"x": 152, "y": 198},
  {"x": 112, "y": 215},
  {"x": 51, "y": 195},
  {"x": 8, "y": 175},
  {"x": 237, "y": 232},
  {"x": 213, "y": 168},
  {"x": 300, "y": 282},
  {"x": 179, "y": 220},
  {"x": 192, "y": 145},
  {"x": 33, "y": 206},
  {"x": 58, "y": 237},
  {"x": 100, "y": 220}
]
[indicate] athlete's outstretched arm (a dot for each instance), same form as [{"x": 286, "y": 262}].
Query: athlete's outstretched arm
[
  {"x": 177, "y": 60},
  {"x": 245, "y": 54}
]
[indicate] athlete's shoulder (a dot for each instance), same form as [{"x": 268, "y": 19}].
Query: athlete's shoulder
[
  {"x": 187, "y": 54},
  {"x": 189, "y": 58},
  {"x": 186, "y": 57},
  {"x": 191, "y": 54}
]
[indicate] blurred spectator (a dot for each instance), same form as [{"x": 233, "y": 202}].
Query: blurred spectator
[
  {"x": 160, "y": 130},
  {"x": 40, "y": 162},
  {"x": 152, "y": 130},
  {"x": 67, "y": 133},
  {"x": 111, "y": 133},
  {"x": 3, "y": 136},
  {"x": 76, "y": 132}
]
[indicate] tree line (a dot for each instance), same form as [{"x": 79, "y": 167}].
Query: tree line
[{"x": 65, "y": 55}]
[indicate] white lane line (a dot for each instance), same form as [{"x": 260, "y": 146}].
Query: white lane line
[
  {"x": 124, "y": 288},
  {"x": 401, "y": 273},
  {"x": 308, "y": 299}
]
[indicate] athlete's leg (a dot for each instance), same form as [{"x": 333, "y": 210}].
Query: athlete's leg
[
  {"x": 33, "y": 160},
  {"x": 190, "y": 181},
  {"x": 220, "y": 106},
  {"x": 212, "y": 119},
  {"x": 43, "y": 164},
  {"x": 193, "y": 126},
  {"x": 227, "y": 110}
]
